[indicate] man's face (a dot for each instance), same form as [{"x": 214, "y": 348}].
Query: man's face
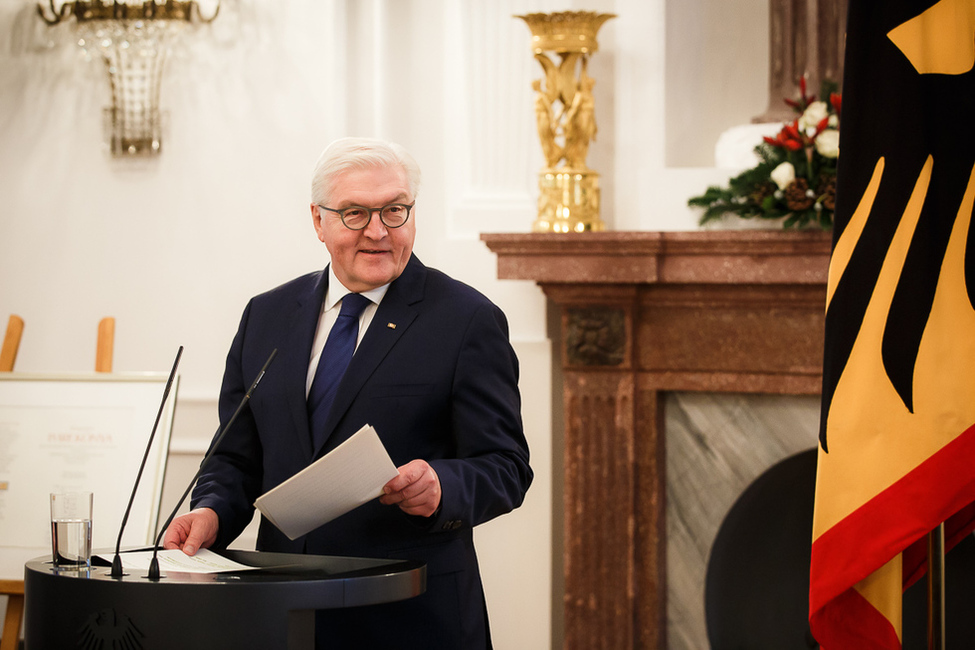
[{"x": 371, "y": 257}]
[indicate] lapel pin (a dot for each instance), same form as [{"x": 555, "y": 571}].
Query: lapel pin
[{"x": 391, "y": 326}]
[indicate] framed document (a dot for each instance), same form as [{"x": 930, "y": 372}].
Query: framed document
[{"x": 80, "y": 432}]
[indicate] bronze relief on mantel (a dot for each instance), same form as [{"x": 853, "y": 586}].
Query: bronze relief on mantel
[{"x": 595, "y": 336}]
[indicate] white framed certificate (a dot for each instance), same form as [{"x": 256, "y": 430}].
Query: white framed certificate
[{"x": 81, "y": 432}]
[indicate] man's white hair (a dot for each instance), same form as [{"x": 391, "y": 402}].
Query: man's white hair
[{"x": 346, "y": 154}]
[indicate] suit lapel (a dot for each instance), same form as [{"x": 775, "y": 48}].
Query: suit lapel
[
  {"x": 300, "y": 340},
  {"x": 393, "y": 318}
]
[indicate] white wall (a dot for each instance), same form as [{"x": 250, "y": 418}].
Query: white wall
[{"x": 173, "y": 247}]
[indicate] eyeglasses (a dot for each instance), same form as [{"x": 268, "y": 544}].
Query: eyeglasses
[{"x": 357, "y": 217}]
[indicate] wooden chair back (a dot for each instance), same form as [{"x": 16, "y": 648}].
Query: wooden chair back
[
  {"x": 14, "y": 591},
  {"x": 11, "y": 343}
]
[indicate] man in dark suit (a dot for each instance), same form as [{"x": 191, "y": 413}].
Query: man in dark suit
[{"x": 434, "y": 374}]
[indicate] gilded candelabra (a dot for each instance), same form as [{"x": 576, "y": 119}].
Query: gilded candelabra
[
  {"x": 565, "y": 116},
  {"x": 133, "y": 38}
]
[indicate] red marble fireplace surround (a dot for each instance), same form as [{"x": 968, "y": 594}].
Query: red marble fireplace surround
[{"x": 640, "y": 314}]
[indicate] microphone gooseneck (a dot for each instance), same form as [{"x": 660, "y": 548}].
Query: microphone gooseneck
[
  {"x": 117, "y": 561},
  {"x": 154, "y": 564}
]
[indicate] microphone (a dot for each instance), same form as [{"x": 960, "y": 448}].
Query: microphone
[
  {"x": 117, "y": 561},
  {"x": 154, "y": 564}
]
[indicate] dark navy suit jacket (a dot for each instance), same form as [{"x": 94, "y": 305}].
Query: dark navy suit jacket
[{"x": 437, "y": 378}]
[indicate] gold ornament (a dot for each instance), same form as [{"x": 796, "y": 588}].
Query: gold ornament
[{"x": 566, "y": 120}]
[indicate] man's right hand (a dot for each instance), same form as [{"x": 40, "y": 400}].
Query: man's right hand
[{"x": 190, "y": 532}]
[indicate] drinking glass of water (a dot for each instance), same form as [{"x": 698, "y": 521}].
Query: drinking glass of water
[{"x": 71, "y": 529}]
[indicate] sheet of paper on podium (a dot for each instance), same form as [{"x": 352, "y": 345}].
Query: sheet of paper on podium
[
  {"x": 350, "y": 475},
  {"x": 205, "y": 561}
]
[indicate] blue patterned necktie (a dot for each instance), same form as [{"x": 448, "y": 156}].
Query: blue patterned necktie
[{"x": 335, "y": 358}]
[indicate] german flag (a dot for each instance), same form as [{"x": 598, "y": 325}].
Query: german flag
[{"x": 897, "y": 437}]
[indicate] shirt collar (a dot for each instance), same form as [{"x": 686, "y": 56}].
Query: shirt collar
[{"x": 336, "y": 291}]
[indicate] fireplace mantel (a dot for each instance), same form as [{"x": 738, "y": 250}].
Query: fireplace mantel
[{"x": 640, "y": 314}]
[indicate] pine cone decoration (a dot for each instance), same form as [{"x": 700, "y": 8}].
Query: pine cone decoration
[
  {"x": 827, "y": 190},
  {"x": 796, "y": 198}
]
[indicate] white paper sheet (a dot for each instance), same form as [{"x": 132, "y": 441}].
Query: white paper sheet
[
  {"x": 205, "y": 561},
  {"x": 350, "y": 475}
]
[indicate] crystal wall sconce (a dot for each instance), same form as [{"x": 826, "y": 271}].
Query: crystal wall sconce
[{"x": 133, "y": 38}]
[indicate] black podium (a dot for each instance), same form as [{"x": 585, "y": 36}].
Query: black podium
[{"x": 270, "y": 607}]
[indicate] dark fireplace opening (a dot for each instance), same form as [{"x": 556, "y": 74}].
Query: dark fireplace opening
[
  {"x": 757, "y": 582},
  {"x": 756, "y": 592}
]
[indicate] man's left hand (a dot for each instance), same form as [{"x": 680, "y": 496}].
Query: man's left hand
[{"x": 416, "y": 490}]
